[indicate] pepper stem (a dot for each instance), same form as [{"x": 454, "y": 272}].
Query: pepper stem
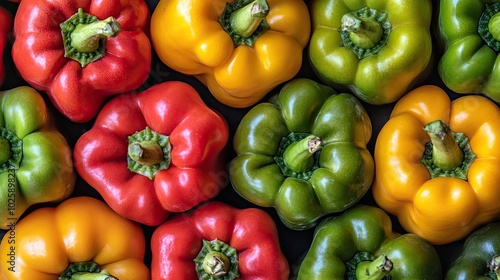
[
  {"x": 147, "y": 153},
  {"x": 363, "y": 32},
  {"x": 217, "y": 259},
  {"x": 494, "y": 265},
  {"x": 85, "y": 271},
  {"x": 246, "y": 20},
  {"x": 85, "y": 37},
  {"x": 5, "y": 152},
  {"x": 446, "y": 153},
  {"x": 374, "y": 270},
  {"x": 299, "y": 156},
  {"x": 494, "y": 26}
]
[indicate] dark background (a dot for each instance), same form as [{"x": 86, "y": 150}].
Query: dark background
[{"x": 293, "y": 243}]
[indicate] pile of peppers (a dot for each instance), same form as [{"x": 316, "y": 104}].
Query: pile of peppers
[{"x": 249, "y": 139}]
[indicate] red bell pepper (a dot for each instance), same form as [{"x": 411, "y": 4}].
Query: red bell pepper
[
  {"x": 5, "y": 29},
  {"x": 82, "y": 52},
  {"x": 155, "y": 152},
  {"x": 218, "y": 240}
]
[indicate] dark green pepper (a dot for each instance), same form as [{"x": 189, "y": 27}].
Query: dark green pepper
[
  {"x": 304, "y": 153},
  {"x": 360, "y": 244},
  {"x": 479, "y": 255},
  {"x": 469, "y": 31}
]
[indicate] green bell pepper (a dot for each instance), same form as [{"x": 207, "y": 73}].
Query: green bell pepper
[
  {"x": 304, "y": 153},
  {"x": 360, "y": 244},
  {"x": 479, "y": 256},
  {"x": 35, "y": 159},
  {"x": 377, "y": 49},
  {"x": 469, "y": 32}
]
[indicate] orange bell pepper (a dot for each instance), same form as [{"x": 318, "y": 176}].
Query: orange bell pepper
[
  {"x": 81, "y": 236},
  {"x": 438, "y": 187}
]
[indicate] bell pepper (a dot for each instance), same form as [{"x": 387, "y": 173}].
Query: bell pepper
[
  {"x": 240, "y": 49},
  {"x": 478, "y": 257},
  {"x": 379, "y": 50},
  {"x": 35, "y": 159},
  {"x": 154, "y": 152},
  {"x": 6, "y": 20},
  {"x": 81, "y": 238},
  {"x": 304, "y": 153},
  {"x": 361, "y": 244},
  {"x": 82, "y": 52},
  {"x": 437, "y": 164},
  {"x": 218, "y": 241},
  {"x": 470, "y": 40}
]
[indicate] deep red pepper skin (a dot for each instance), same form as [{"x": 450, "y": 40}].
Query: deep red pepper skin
[
  {"x": 6, "y": 20},
  {"x": 78, "y": 93},
  {"x": 198, "y": 136},
  {"x": 250, "y": 231}
]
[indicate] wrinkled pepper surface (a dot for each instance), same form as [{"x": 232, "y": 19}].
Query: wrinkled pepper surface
[
  {"x": 239, "y": 49},
  {"x": 82, "y": 52},
  {"x": 437, "y": 164},
  {"x": 379, "y": 50},
  {"x": 304, "y": 153},
  {"x": 81, "y": 238},
  {"x": 360, "y": 244},
  {"x": 479, "y": 256},
  {"x": 470, "y": 36},
  {"x": 154, "y": 152},
  {"x": 6, "y": 20},
  {"x": 218, "y": 241},
  {"x": 35, "y": 159}
]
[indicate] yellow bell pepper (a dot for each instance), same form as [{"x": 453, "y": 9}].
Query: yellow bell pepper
[
  {"x": 437, "y": 164},
  {"x": 240, "y": 51},
  {"x": 82, "y": 237}
]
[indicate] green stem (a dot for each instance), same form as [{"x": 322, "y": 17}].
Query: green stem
[
  {"x": 488, "y": 27},
  {"x": 11, "y": 150},
  {"x": 84, "y": 36},
  {"x": 299, "y": 156},
  {"x": 246, "y": 20},
  {"x": 217, "y": 260},
  {"x": 494, "y": 266},
  {"x": 85, "y": 271},
  {"x": 446, "y": 153},
  {"x": 494, "y": 26},
  {"x": 363, "y": 32},
  {"x": 374, "y": 270},
  {"x": 147, "y": 153},
  {"x": 5, "y": 152}
]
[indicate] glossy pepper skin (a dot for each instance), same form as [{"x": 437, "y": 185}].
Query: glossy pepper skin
[
  {"x": 441, "y": 204},
  {"x": 379, "y": 50},
  {"x": 80, "y": 229},
  {"x": 275, "y": 167},
  {"x": 113, "y": 34},
  {"x": 469, "y": 63},
  {"x": 188, "y": 38},
  {"x": 250, "y": 245},
  {"x": 6, "y": 20},
  {"x": 478, "y": 256},
  {"x": 358, "y": 241},
  {"x": 35, "y": 159},
  {"x": 181, "y": 141}
]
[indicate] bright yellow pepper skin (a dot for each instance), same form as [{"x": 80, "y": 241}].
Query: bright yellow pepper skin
[
  {"x": 440, "y": 209},
  {"x": 188, "y": 38},
  {"x": 43, "y": 243}
]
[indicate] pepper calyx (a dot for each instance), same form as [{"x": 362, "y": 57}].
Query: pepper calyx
[
  {"x": 217, "y": 260},
  {"x": 148, "y": 152},
  {"x": 85, "y": 271}
]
